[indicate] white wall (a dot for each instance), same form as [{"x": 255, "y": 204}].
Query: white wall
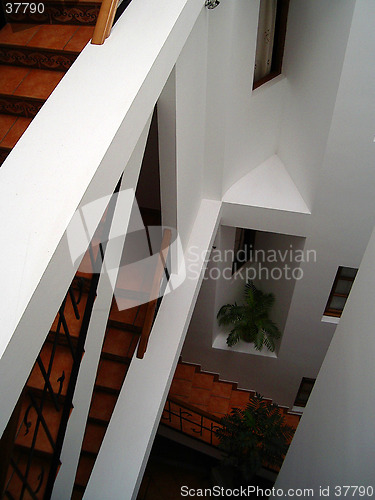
[
  {"x": 241, "y": 363},
  {"x": 315, "y": 46},
  {"x": 242, "y": 126},
  {"x": 332, "y": 129},
  {"x": 334, "y": 442}
]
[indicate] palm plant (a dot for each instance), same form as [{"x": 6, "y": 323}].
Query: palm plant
[
  {"x": 250, "y": 321},
  {"x": 254, "y": 436}
]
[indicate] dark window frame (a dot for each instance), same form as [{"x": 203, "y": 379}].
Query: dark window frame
[
  {"x": 278, "y": 43},
  {"x": 329, "y": 310},
  {"x": 306, "y": 386}
]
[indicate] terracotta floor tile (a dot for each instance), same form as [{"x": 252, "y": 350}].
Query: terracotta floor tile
[
  {"x": 102, "y": 405},
  {"x": 111, "y": 374},
  {"x": 222, "y": 389},
  {"x": 185, "y": 372},
  {"x": 53, "y": 36},
  {"x": 72, "y": 321},
  {"x": 52, "y": 418},
  {"x": 120, "y": 342},
  {"x": 15, "y": 132},
  {"x": 93, "y": 437},
  {"x": 201, "y": 407},
  {"x": 199, "y": 396},
  {"x": 239, "y": 399},
  {"x": 62, "y": 363},
  {"x": 6, "y": 121},
  {"x": 18, "y": 34},
  {"x": 86, "y": 463},
  {"x": 218, "y": 405},
  {"x": 39, "y": 83},
  {"x": 180, "y": 387},
  {"x": 203, "y": 380},
  {"x": 11, "y": 77},
  {"x": 80, "y": 38}
]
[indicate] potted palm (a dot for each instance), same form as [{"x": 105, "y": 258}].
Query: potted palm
[
  {"x": 250, "y": 321},
  {"x": 253, "y": 436}
]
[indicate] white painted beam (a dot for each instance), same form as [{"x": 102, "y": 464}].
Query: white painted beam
[
  {"x": 124, "y": 452},
  {"x": 74, "y": 152}
]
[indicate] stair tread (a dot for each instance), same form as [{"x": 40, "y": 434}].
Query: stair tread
[
  {"x": 85, "y": 465},
  {"x": 18, "y": 34},
  {"x": 59, "y": 37},
  {"x": 51, "y": 416},
  {"x": 28, "y": 83},
  {"x": 14, "y": 127},
  {"x": 11, "y": 77},
  {"x": 39, "y": 83},
  {"x": 40, "y": 464},
  {"x": 6, "y": 123}
]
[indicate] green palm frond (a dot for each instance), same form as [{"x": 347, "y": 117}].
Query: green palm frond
[
  {"x": 250, "y": 321},
  {"x": 254, "y": 435}
]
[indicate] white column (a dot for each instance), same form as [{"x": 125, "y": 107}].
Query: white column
[
  {"x": 334, "y": 443},
  {"x": 124, "y": 452},
  {"x": 95, "y": 335}
]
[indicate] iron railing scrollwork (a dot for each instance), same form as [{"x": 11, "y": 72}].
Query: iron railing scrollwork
[
  {"x": 55, "y": 391},
  {"x": 190, "y": 420}
]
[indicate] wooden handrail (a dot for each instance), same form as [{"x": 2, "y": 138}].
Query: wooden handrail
[
  {"x": 151, "y": 306},
  {"x": 105, "y": 21}
]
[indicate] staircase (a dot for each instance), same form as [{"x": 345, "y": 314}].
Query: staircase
[
  {"x": 205, "y": 391},
  {"x": 34, "y": 428},
  {"x": 197, "y": 401},
  {"x": 36, "y": 50},
  {"x": 120, "y": 342},
  {"x": 29, "y": 446}
]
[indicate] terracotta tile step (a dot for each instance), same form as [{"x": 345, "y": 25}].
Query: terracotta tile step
[
  {"x": 94, "y": 436},
  {"x": 62, "y": 364},
  {"x": 25, "y": 82},
  {"x": 4, "y": 152},
  {"x": 37, "y": 477},
  {"x": 23, "y": 91},
  {"x": 19, "y": 106},
  {"x": 102, "y": 405},
  {"x": 78, "y": 492},
  {"x": 61, "y": 339},
  {"x": 54, "y": 60},
  {"x": 127, "y": 327},
  {"x": 85, "y": 465},
  {"x": 73, "y": 323},
  {"x": 120, "y": 342},
  {"x": 59, "y": 12},
  {"x": 60, "y": 400},
  {"x": 46, "y": 37},
  {"x": 28, "y": 422},
  {"x": 11, "y": 129},
  {"x": 111, "y": 373},
  {"x": 131, "y": 313}
]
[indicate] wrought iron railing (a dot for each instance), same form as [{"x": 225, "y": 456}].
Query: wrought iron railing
[
  {"x": 38, "y": 426},
  {"x": 33, "y": 402},
  {"x": 159, "y": 284},
  {"x": 191, "y": 420}
]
